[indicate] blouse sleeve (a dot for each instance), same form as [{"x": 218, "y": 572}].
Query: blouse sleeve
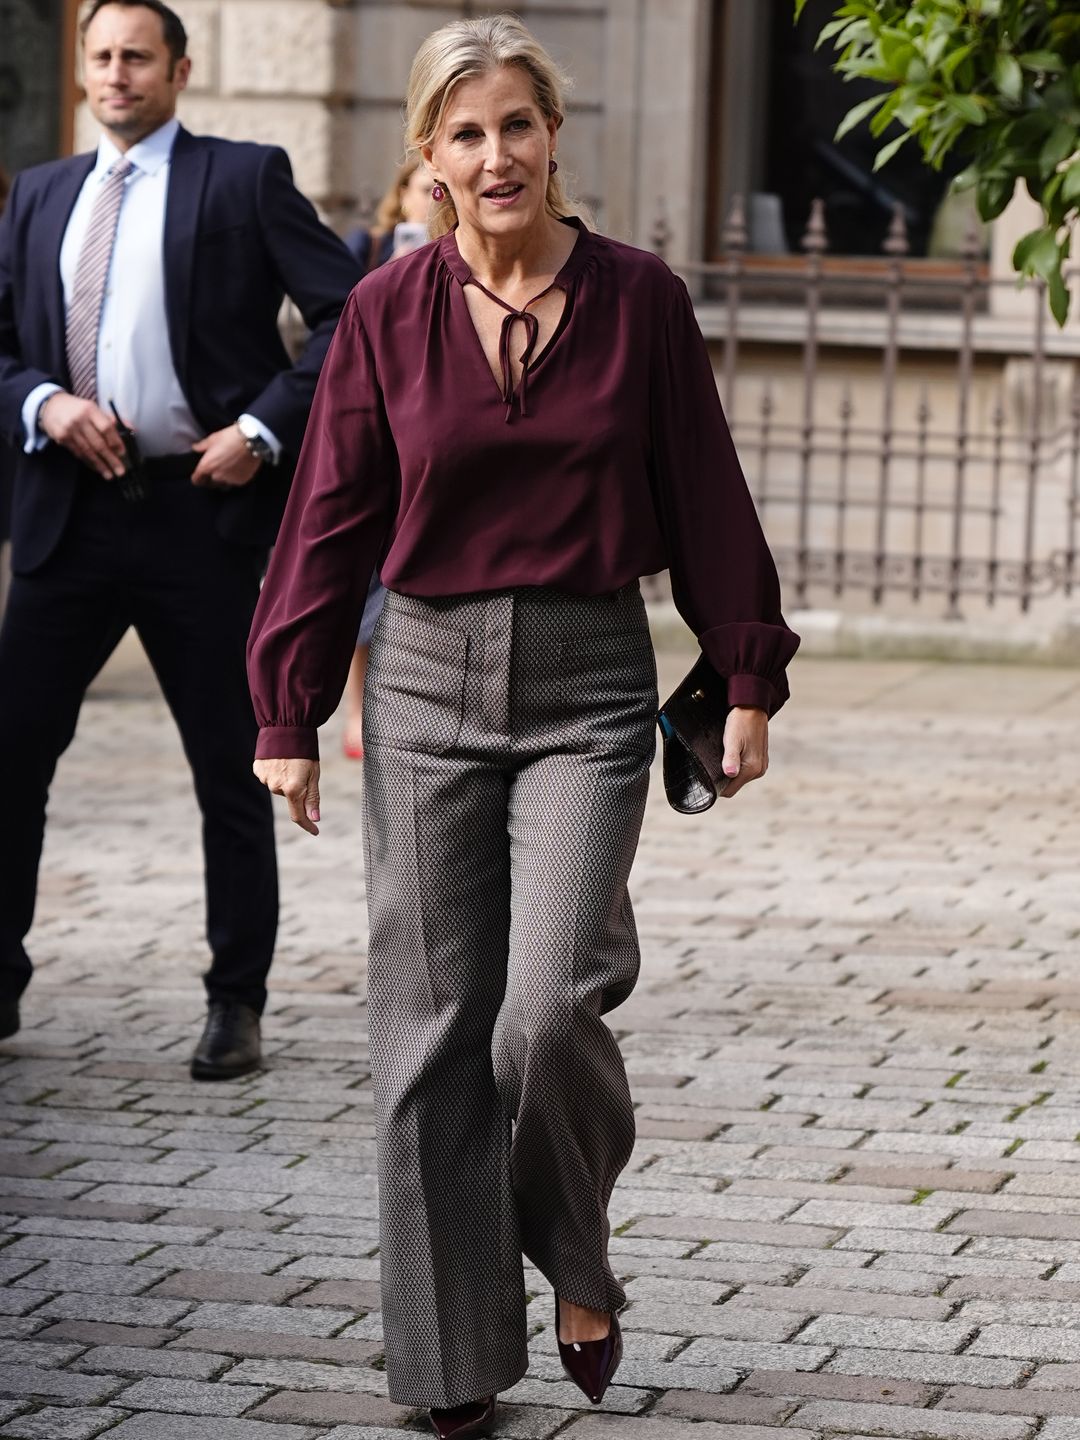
[
  {"x": 339, "y": 512},
  {"x": 723, "y": 578}
]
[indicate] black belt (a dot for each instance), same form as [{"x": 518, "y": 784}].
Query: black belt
[
  {"x": 170, "y": 467},
  {"x": 159, "y": 467}
]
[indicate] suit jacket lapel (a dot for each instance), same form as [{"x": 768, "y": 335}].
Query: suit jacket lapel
[
  {"x": 54, "y": 222},
  {"x": 187, "y": 177}
]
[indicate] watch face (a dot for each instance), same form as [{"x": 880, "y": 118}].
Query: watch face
[{"x": 258, "y": 447}]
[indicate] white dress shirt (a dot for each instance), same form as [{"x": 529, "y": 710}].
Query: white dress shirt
[{"x": 135, "y": 369}]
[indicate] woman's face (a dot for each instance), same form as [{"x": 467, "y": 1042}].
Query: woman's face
[
  {"x": 416, "y": 197},
  {"x": 492, "y": 151}
]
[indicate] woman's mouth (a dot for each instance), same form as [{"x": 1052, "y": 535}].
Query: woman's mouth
[{"x": 503, "y": 194}]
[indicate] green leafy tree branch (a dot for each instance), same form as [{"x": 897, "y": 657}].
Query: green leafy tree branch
[{"x": 998, "y": 81}]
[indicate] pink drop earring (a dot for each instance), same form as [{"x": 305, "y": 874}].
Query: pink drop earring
[
  {"x": 438, "y": 194},
  {"x": 553, "y": 165}
]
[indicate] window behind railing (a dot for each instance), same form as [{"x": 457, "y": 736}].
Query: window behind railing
[{"x": 910, "y": 430}]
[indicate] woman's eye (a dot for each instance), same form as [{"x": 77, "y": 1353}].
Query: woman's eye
[
  {"x": 518, "y": 125},
  {"x": 464, "y": 134}
]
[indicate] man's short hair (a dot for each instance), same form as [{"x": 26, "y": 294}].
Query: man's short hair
[{"x": 171, "y": 24}]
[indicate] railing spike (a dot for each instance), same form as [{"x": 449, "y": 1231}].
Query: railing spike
[
  {"x": 736, "y": 235},
  {"x": 660, "y": 237},
  {"x": 972, "y": 245},
  {"x": 816, "y": 239},
  {"x": 896, "y": 242}
]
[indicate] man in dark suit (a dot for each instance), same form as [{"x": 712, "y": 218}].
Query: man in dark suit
[{"x": 143, "y": 283}]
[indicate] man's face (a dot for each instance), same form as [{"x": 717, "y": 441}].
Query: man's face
[{"x": 131, "y": 79}]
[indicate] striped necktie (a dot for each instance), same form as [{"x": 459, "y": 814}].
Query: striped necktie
[{"x": 91, "y": 273}]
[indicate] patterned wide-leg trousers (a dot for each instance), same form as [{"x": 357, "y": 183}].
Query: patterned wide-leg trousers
[{"x": 507, "y": 742}]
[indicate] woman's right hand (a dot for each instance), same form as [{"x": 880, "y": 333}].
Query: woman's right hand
[{"x": 298, "y": 781}]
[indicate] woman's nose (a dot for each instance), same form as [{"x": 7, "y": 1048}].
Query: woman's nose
[{"x": 496, "y": 154}]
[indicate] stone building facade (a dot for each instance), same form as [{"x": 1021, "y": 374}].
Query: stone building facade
[
  {"x": 326, "y": 81},
  {"x": 677, "y": 107}
]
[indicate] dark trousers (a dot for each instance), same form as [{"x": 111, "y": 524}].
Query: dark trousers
[{"x": 161, "y": 566}]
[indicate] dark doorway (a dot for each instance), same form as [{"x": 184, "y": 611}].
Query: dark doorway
[
  {"x": 36, "y": 84},
  {"x": 807, "y": 101}
]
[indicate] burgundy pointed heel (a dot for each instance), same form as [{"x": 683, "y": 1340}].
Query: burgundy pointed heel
[
  {"x": 461, "y": 1421},
  {"x": 590, "y": 1364}
]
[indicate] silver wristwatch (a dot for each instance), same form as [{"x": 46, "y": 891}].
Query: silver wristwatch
[{"x": 255, "y": 443}]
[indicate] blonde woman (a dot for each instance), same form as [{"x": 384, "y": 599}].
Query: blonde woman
[
  {"x": 407, "y": 202},
  {"x": 517, "y": 421}
]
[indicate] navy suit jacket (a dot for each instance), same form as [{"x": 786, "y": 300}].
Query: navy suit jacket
[{"x": 238, "y": 237}]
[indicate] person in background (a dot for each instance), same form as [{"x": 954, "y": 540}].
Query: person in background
[
  {"x": 407, "y": 202},
  {"x": 400, "y": 226},
  {"x": 144, "y": 379}
]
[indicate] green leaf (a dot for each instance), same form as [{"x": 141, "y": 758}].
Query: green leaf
[
  {"x": 1038, "y": 253},
  {"x": 1064, "y": 27},
  {"x": 1031, "y": 129},
  {"x": 886, "y": 154},
  {"x": 967, "y": 107},
  {"x": 834, "y": 27},
  {"x": 1044, "y": 60},
  {"x": 947, "y": 134},
  {"x": 993, "y": 194},
  {"x": 936, "y": 47},
  {"x": 1008, "y": 76},
  {"x": 858, "y": 113},
  {"x": 1062, "y": 142},
  {"x": 1058, "y": 293},
  {"x": 955, "y": 59},
  {"x": 1052, "y": 188},
  {"x": 1070, "y": 187},
  {"x": 897, "y": 52},
  {"x": 908, "y": 109}
]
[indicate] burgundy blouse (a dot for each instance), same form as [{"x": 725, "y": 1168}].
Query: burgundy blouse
[{"x": 612, "y": 460}]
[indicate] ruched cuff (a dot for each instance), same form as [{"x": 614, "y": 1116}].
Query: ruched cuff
[
  {"x": 755, "y": 692},
  {"x": 287, "y": 742},
  {"x": 752, "y": 657}
]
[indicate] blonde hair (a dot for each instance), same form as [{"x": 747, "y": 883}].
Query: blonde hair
[
  {"x": 389, "y": 212},
  {"x": 465, "y": 50}
]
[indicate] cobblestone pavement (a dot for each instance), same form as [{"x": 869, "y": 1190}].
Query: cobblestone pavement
[{"x": 854, "y": 1209}]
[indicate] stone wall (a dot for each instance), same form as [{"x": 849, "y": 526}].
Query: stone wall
[{"x": 275, "y": 71}]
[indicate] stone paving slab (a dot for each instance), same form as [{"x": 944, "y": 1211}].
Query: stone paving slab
[{"x": 854, "y": 1051}]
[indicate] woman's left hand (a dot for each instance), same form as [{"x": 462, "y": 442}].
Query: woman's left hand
[{"x": 746, "y": 748}]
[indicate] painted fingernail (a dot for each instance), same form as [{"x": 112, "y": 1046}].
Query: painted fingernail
[{"x": 315, "y": 815}]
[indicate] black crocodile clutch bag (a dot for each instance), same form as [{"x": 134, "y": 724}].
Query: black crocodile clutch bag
[{"x": 691, "y": 724}]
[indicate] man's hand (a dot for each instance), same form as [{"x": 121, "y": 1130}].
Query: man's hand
[
  {"x": 226, "y": 460},
  {"x": 83, "y": 428},
  {"x": 298, "y": 781},
  {"x": 746, "y": 748}
]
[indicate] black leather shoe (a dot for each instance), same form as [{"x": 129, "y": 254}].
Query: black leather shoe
[
  {"x": 590, "y": 1364},
  {"x": 463, "y": 1420},
  {"x": 229, "y": 1045},
  {"x": 9, "y": 1018}
]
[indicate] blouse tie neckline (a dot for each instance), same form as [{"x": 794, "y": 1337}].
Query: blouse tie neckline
[{"x": 532, "y": 332}]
